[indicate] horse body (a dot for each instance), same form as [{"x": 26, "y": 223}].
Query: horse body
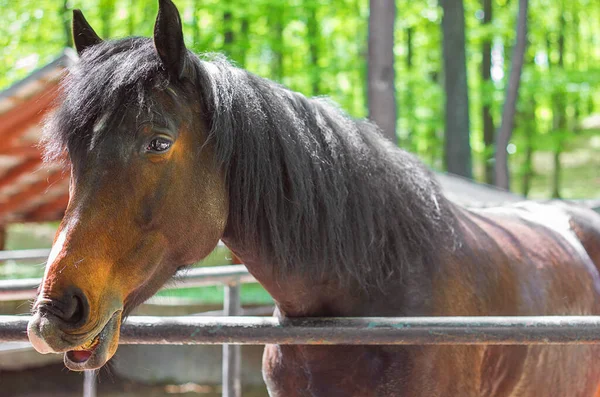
[
  {"x": 169, "y": 152},
  {"x": 522, "y": 260}
]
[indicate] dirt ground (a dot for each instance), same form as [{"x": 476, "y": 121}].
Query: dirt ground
[{"x": 56, "y": 381}]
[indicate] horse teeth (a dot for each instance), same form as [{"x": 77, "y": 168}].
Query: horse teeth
[{"x": 89, "y": 345}]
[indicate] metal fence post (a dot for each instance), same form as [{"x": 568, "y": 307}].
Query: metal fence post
[
  {"x": 89, "y": 383},
  {"x": 232, "y": 363}
]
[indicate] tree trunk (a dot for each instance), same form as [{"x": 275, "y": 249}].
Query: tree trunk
[
  {"x": 312, "y": 26},
  {"x": 228, "y": 33},
  {"x": 434, "y": 144},
  {"x": 149, "y": 13},
  {"x": 131, "y": 18},
  {"x": 510, "y": 103},
  {"x": 457, "y": 148},
  {"x": 195, "y": 28},
  {"x": 381, "y": 92},
  {"x": 556, "y": 171},
  {"x": 66, "y": 18},
  {"x": 578, "y": 104},
  {"x": 530, "y": 131},
  {"x": 244, "y": 44},
  {"x": 107, "y": 9},
  {"x": 527, "y": 165},
  {"x": 409, "y": 47},
  {"x": 409, "y": 104},
  {"x": 2, "y": 237},
  {"x": 486, "y": 97},
  {"x": 276, "y": 22},
  {"x": 559, "y": 117},
  {"x": 361, "y": 89}
]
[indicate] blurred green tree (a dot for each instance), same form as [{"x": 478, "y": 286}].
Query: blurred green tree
[{"x": 320, "y": 47}]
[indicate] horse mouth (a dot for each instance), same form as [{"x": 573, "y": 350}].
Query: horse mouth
[{"x": 96, "y": 351}]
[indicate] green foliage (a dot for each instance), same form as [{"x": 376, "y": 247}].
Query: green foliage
[{"x": 320, "y": 47}]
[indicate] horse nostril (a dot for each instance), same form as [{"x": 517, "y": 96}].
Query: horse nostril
[
  {"x": 72, "y": 309},
  {"x": 77, "y": 309}
]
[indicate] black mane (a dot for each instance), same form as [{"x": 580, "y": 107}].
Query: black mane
[{"x": 311, "y": 190}]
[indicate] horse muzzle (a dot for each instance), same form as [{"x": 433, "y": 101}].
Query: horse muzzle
[{"x": 83, "y": 350}]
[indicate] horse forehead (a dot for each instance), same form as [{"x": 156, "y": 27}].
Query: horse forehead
[
  {"x": 115, "y": 129},
  {"x": 100, "y": 153}
]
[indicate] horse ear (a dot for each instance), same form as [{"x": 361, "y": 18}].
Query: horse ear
[
  {"x": 83, "y": 34},
  {"x": 168, "y": 38}
]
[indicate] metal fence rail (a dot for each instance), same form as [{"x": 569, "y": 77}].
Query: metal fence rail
[
  {"x": 38, "y": 254},
  {"x": 542, "y": 330},
  {"x": 240, "y": 330},
  {"x": 20, "y": 255},
  {"x": 198, "y": 277},
  {"x": 232, "y": 276}
]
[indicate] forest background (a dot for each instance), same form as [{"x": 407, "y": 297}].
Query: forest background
[{"x": 451, "y": 63}]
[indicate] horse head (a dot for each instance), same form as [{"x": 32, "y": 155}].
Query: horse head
[{"x": 146, "y": 194}]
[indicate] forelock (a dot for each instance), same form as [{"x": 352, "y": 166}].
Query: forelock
[{"x": 109, "y": 79}]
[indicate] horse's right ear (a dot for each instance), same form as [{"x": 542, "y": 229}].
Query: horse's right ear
[{"x": 83, "y": 34}]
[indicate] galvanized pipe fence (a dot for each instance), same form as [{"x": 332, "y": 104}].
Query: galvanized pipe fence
[
  {"x": 250, "y": 330},
  {"x": 234, "y": 330},
  {"x": 231, "y": 276}
]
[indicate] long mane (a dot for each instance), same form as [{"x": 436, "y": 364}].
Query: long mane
[{"x": 311, "y": 190}]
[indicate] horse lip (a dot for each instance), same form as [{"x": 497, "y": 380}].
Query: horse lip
[
  {"x": 45, "y": 341},
  {"x": 101, "y": 351},
  {"x": 35, "y": 333}
]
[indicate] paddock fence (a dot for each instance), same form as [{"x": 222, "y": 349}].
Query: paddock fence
[{"x": 232, "y": 330}]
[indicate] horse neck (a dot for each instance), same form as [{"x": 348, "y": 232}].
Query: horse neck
[
  {"x": 329, "y": 214},
  {"x": 297, "y": 295}
]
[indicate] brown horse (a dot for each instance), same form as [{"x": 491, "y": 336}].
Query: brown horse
[{"x": 169, "y": 153}]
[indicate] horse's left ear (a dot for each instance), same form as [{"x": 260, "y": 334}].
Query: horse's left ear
[
  {"x": 168, "y": 38},
  {"x": 83, "y": 34}
]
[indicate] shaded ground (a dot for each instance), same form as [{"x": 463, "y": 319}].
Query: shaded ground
[{"x": 56, "y": 381}]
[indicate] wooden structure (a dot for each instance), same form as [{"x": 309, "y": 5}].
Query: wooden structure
[{"x": 30, "y": 191}]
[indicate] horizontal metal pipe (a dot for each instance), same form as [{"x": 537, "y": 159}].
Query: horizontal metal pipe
[
  {"x": 21, "y": 255},
  {"x": 18, "y": 289},
  {"x": 346, "y": 330},
  {"x": 38, "y": 254}
]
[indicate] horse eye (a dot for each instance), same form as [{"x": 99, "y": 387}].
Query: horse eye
[{"x": 159, "y": 145}]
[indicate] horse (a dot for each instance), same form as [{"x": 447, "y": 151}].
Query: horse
[{"x": 169, "y": 152}]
